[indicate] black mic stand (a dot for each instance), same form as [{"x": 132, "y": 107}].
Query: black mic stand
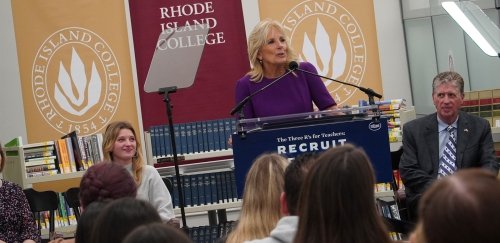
[
  {"x": 165, "y": 92},
  {"x": 370, "y": 92},
  {"x": 241, "y": 129},
  {"x": 242, "y": 103}
]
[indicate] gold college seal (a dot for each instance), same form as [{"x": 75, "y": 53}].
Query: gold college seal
[{"x": 76, "y": 81}]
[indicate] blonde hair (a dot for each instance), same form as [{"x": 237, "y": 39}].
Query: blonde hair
[
  {"x": 257, "y": 39},
  {"x": 110, "y": 136},
  {"x": 260, "y": 210}
]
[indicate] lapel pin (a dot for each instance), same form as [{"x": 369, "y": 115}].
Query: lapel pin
[{"x": 466, "y": 130}]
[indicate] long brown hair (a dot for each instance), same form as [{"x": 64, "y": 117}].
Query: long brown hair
[
  {"x": 337, "y": 202},
  {"x": 462, "y": 208},
  {"x": 109, "y": 139},
  {"x": 260, "y": 210}
]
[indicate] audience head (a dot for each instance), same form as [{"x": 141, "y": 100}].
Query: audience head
[
  {"x": 87, "y": 220},
  {"x": 2, "y": 158},
  {"x": 106, "y": 180},
  {"x": 260, "y": 210},
  {"x": 258, "y": 39},
  {"x": 156, "y": 233},
  {"x": 120, "y": 217},
  {"x": 295, "y": 175},
  {"x": 461, "y": 208},
  {"x": 337, "y": 200},
  {"x": 120, "y": 144}
]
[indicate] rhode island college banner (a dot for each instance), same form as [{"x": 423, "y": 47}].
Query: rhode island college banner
[
  {"x": 74, "y": 60},
  {"x": 224, "y": 58},
  {"x": 336, "y": 36}
]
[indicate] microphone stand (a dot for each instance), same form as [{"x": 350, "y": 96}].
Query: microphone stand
[
  {"x": 370, "y": 92},
  {"x": 165, "y": 92},
  {"x": 242, "y": 103}
]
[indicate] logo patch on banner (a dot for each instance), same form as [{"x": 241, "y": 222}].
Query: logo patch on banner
[
  {"x": 76, "y": 81},
  {"x": 75, "y": 66},
  {"x": 337, "y": 36},
  {"x": 328, "y": 36}
]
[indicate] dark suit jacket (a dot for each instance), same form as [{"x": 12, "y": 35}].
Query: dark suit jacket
[{"x": 420, "y": 160}]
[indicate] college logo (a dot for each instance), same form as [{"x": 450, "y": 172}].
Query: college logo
[
  {"x": 76, "y": 81},
  {"x": 325, "y": 34}
]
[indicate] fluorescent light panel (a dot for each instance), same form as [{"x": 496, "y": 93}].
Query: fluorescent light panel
[{"x": 458, "y": 15}]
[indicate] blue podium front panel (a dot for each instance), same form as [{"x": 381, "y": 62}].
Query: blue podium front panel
[{"x": 372, "y": 136}]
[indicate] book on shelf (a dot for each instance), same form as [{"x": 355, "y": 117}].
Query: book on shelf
[
  {"x": 74, "y": 147},
  {"x": 42, "y": 173},
  {"x": 62, "y": 149},
  {"x": 496, "y": 108},
  {"x": 71, "y": 154},
  {"x": 83, "y": 154},
  {"x": 40, "y": 161},
  {"x": 485, "y": 105},
  {"x": 38, "y": 168},
  {"x": 474, "y": 103}
]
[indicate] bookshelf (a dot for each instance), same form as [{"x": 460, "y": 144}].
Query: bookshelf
[{"x": 15, "y": 171}]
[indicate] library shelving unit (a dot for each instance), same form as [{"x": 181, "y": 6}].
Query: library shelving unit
[
  {"x": 15, "y": 171},
  {"x": 214, "y": 210}
]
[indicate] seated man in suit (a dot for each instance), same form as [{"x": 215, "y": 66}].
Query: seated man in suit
[{"x": 440, "y": 143}]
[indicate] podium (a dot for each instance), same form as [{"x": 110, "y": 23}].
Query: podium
[{"x": 292, "y": 135}]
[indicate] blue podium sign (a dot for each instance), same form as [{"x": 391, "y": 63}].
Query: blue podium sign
[{"x": 372, "y": 136}]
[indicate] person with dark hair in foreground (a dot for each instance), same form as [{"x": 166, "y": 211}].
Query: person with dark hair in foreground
[
  {"x": 460, "y": 208},
  {"x": 156, "y": 233},
  {"x": 295, "y": 174},
  {"x": 87, "y": 221},
  {"x": 120, "y": 217},
  {"x": 106, "y": 180},
  {"x": 337, "y": 200}
]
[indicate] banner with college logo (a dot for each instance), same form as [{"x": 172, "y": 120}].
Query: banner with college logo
[
  {"x": 338, "y": 37},
  {"x": 75, "y": 66},
  {"x": 224, "y": 58}
]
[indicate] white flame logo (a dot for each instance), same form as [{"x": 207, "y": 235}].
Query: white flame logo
[
  {"x": 87, "y": 92},
  {"x": 328, "y": 65}
]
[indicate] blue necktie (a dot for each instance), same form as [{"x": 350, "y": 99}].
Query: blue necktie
[{"x": 447, "y": 162}]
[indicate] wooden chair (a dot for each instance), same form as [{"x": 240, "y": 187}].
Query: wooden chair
[
  {"x": 72, "y": 197},
  {"x": 41, "y": 202}
]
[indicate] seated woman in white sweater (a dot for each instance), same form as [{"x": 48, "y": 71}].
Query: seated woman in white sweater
[{"x": 121, "y": 146}]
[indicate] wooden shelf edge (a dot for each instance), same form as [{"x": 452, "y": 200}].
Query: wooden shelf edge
[
  {"x": 57, "y": 177},
  {"x": 209, "y": 207}
]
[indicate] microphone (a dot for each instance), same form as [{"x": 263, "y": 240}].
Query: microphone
[
  {"x": 293, "y": 65},
  {"x": 242, "y": 103}
]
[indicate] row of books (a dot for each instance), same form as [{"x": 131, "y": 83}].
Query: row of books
[
  {"x": 65, "y": 155},
  {"x": 64, "y": 215},
  {"x": 210, "y": 233},
  {"x": 390, "y": 109},
  {"x": 484, "y": 103},
  {"x": 192, "y": 137},
  {"x": 205, "y": 188},
  {"x": 390, "y": 210}
]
